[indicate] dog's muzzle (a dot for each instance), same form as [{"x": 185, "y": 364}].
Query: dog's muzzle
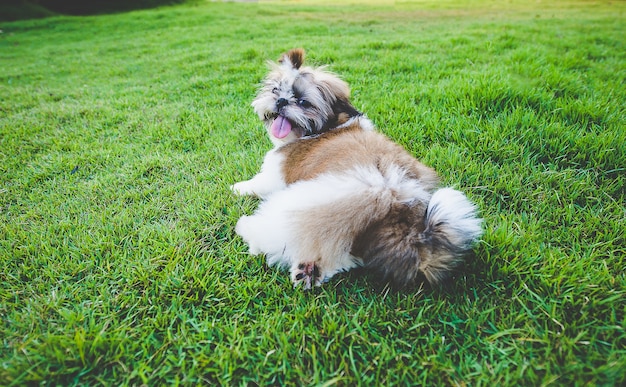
[{"x": 281, "y": 103}]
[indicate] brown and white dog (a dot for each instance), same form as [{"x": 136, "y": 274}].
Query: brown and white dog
[{"x": 338, "y": 195}]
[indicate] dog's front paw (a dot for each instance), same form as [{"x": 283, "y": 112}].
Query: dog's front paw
[
  {"x": 242, "y": 188},
  {"x": 307, "y": 274}
]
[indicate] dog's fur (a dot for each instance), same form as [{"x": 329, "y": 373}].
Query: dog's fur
[{"x": 338, "y": 195}]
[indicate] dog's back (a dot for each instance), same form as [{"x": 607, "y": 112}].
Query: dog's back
[{"x": 347, "y": 148}]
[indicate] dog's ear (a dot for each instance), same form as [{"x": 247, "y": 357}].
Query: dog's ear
[{"x": 295, "y": 57}]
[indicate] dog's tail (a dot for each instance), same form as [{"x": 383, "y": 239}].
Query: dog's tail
[
  {"x": 421, "y": 238},
  {"x": 452, "y": 227}
]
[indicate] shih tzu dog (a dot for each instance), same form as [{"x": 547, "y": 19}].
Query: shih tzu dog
[{"x": 337, "y": 195}]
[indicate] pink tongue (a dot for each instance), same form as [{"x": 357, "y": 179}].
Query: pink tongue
[{"x": 281, "y": 127}]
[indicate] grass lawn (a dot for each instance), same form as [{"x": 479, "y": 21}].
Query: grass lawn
[{"x": 120, "y": 134}]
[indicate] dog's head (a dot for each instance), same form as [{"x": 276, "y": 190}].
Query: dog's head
[{"x": 297, "y": 101}]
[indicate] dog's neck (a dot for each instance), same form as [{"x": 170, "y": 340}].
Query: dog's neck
[{"x": 344, "y": 112}]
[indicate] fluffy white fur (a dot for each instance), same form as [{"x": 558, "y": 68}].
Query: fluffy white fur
[{"x": 451, "y": 207}]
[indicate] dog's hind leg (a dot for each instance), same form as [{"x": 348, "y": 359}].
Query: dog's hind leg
[{"x": 307, "y": 274}]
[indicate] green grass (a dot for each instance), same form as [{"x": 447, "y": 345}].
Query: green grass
[{"x": 120, "y": 134}]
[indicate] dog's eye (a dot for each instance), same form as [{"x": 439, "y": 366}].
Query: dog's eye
[
  {"x": 304, "y": 103},
  {"x": 275, "y": 90}
]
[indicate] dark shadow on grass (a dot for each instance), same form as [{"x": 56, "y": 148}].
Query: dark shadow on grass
[
  {"x": 474, "y": 275},
  {"x": 12, "y": 10}
]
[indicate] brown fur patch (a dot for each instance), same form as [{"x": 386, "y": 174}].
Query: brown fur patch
[
  {"x": 343, "y": 149},
  {"x": 394, "y": 246},
  {"x": 295, "y": 56},
  {"x": 342, "y": 118}
]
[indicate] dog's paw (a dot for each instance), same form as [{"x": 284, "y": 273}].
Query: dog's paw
[
  {"x": 307, "y": 274},
  {"x": 242, "y": 188}
]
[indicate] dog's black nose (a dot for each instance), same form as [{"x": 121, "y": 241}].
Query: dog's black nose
[{"x": 282, "y": 102}]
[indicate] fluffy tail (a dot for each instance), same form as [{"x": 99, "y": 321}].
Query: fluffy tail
[
  {"x": 452, "y": 227},
  {"x": 418, "y": 240}
]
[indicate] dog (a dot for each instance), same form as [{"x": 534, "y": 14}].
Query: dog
[{"x": 338, "y": 195}]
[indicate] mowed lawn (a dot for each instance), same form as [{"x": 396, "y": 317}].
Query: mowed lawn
[{"x": 120, "y": 135}]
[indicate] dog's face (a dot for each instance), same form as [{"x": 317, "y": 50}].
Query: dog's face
[{"x": 297, "y": 101}]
